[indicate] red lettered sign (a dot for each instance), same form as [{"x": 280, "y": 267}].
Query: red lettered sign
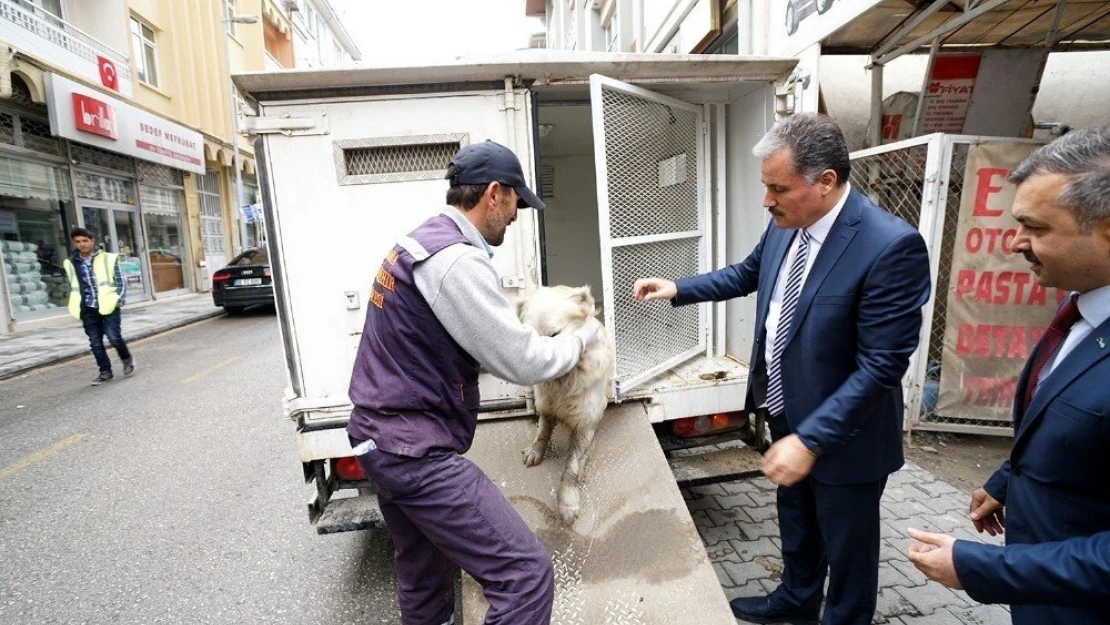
[
  {"x": 93, "y": 116},
  {"x": 996, "y": 311}
]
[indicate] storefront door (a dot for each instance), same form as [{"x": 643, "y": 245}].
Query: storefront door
[{"x": 117, "y": 230}]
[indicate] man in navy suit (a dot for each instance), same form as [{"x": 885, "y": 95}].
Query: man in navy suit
[
  {"x": 839, "y": 288},
  {"x": 1055, "y": 487}
]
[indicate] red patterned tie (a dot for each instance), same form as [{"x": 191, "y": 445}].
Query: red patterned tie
[{"x": 1053, "y": 336}]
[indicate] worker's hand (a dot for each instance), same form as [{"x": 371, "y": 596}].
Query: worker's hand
[
  {"x": 589, "y": 333},
  {"x": 987, "y": 513},
  {"x": 788, "y": 461},
  {"x": 647, "y": 289},
  {"x": 932, "y": 555}
]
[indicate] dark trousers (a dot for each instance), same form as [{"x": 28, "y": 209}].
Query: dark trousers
[
  {"x": 442, "y": 509},
  {"x": 97, "y": 326},
  {"x": 832, "y": 530}
]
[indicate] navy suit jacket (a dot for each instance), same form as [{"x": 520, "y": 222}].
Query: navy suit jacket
[
  {"x": 1055, "y": 567},
  {"x": 857, "y": 321}
]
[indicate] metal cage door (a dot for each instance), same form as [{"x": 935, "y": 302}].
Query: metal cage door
[{"x": 653, "y": 214}]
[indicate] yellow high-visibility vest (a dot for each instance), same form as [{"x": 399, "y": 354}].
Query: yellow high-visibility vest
[{"x": 106, "y": 294}]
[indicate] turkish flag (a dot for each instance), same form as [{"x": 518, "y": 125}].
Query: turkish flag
[{"x": 108, "y": 76}]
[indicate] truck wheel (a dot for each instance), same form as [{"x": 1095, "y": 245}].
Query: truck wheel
[
  {"x": 791, "y": 19},
  {"x": 823, "y": 5}
]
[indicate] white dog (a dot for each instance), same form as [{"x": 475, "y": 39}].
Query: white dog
[{"x": 577, "y": 399}]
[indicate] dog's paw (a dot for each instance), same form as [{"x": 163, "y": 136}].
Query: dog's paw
[
  {"x": 534, "y": 454},
  {"x": 569, "y": 504}
]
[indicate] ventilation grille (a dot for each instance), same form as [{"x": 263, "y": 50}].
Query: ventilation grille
[
  {"x": 151, "y": 173},
  {"x": 395, "y": 159},
  {"x": 91, "y": 155},
  {"x": 547, "y": 181}
]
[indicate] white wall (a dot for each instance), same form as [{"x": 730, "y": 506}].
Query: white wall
[
  {"x": 570, "y": 225},
  {"x": 105, "y": 20},
  {"x": 1075, "y": 89},
  {"x": 747, "y": 120}
]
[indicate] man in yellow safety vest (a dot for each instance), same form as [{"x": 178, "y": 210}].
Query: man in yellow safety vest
[{"x": 96, "y": 294}]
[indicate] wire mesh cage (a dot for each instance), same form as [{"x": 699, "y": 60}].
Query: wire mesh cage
[
  {"x": 655, "y": 224},
  {"x": 903, "y": 178}
]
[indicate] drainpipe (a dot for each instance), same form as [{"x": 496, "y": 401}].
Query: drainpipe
[
  {"x": 7, "y": 55},
  {"x": 7, "y": 59}
]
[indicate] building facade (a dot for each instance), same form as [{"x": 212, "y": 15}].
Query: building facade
[
  {"x": 117, "y": 116},
  {"x": 672, "y": 26}
]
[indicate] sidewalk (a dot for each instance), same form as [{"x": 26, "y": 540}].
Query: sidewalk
[
  {"x": 739, "y": 525},
  {"x": 28, "y": 350}
]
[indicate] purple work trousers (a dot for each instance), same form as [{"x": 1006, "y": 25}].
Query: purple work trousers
[{"x": 441, "y": 509}]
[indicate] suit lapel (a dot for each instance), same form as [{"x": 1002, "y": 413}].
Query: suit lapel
[
  {"x": 840, "y": 235},
  {"x": 1088, "y": 352}
]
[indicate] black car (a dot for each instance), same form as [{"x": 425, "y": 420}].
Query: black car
[{"x": 246, "y": 281}]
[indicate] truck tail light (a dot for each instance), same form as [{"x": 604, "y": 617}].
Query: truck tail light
[
  {"x": 266, "y": 272},
  {"x": 348, "y": 469},
  {"x": 707, "y": 424},
  {"x": 221, "y": 276}
]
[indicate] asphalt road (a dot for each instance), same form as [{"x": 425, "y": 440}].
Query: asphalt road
[{"x": 172, "y": 496}]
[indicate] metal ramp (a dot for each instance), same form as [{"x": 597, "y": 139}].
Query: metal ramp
[{"x": 634, "y": 557}]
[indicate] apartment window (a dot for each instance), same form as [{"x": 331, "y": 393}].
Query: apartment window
[
  {"x": 613, "y": 30},
  {"x": 321, "y": 37},
  {"x": 231, "y": 9},
  {"x": 570, "y": 37},
  {"x": 310, "y": 19},
  {"x": 146, "y": 58}
]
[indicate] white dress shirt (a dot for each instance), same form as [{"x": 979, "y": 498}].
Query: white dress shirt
[
  {"x": 1094, "y": 308},
  {"x": 818, "y": 232}
]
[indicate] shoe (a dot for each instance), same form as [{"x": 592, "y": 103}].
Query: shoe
[
  {"x": 102, "y": 378},
  {"x": 129, "y": 366},
  {"x": 759, "y": 610}
]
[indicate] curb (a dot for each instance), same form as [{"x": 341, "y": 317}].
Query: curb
[{"x": 75, "y": 353}]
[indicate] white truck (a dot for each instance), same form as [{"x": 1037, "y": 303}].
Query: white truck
[{"x": 644, "y": 162}]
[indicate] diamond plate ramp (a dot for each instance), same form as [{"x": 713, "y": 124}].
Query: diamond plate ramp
[{"x": 634, "y": 556}]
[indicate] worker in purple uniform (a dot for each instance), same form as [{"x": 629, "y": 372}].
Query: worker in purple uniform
[{"x": 438, "y": 316}]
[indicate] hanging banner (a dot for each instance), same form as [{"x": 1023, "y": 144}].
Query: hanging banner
[{"x": 996, "y": 310}]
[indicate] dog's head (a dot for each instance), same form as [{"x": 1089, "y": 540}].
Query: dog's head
[{"x": 552, "y": 309}]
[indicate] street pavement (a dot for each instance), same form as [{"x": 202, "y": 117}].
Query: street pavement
[
  {"x": 175, "y": 495},
  {"x": 63, "y": 340},
  {"x": 738, "y": 523}
]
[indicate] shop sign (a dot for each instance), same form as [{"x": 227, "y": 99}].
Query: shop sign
[
  {"x": 996, "y": 310},
  {"x": 948, "y": 89},
  {"x": 85, "y": 115},
  {"x": 798, "y": 24},
  {"x": 92, "y": 115}
]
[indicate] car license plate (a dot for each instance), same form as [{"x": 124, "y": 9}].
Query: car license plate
[{"x": 248, "y": 282}]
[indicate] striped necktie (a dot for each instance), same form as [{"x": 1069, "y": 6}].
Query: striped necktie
[{"x": 776, "y": 404}]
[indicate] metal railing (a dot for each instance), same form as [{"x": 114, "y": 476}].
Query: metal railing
[
  {"x": 921, "y": 180},
  {"x": 62, "y": 34}
]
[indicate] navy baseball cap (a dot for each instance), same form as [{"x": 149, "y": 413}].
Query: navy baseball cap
[{"x": 482, "y": 163}]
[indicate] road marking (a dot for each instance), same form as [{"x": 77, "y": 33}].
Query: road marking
[
  {"x": 40, "y": 455},
  {"x": 214, "y": 367}
]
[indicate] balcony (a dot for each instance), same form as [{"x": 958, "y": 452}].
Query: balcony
[{"x": 41, "y": 35}]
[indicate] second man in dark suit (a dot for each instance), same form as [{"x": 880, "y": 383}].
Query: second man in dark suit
[
  {"x": 839, "y": 288},
  {"x": 1055, "y": 567}
]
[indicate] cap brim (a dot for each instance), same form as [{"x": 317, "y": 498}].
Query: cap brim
[{"x": 527, "y": 198}]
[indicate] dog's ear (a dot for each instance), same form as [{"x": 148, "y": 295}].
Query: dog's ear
[{"x": 582, "y": 295}]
